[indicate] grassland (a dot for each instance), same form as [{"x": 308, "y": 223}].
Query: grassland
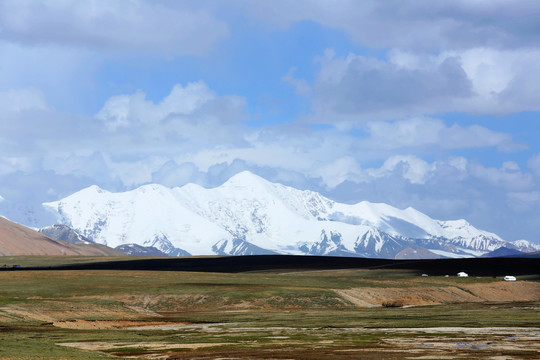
[{"x": 277, "y": 314}]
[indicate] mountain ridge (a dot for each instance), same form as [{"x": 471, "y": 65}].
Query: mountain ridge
[{"x": 249, "y": 215}]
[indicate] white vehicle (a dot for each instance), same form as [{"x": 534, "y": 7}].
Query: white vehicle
[
  {"x": 462, "y": 274},
  {"x": 509, "y": 278}
]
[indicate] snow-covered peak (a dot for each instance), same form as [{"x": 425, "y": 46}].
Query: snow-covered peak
[
  {"x": 247, "y": 184},
  {"x": 525, "y": 245},
  {"x": 95, "y": 189},
  {"x": 462, "y": 229},
  {"x": 457, "y": 224},
  {"x": 152, "y": 188},
  {"x": 408, "y": 222},
  {"x": 245, "y": 178},
  {"x": 249, "y": 214},
  {"x": 88, "y": 193}
]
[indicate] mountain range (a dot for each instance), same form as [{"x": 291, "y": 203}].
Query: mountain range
[{"x": 250, "y": 215}]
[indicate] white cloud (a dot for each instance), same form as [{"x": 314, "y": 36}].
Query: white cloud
[
  {"x": 490, "y": 70},
  {"x": 137, "y": 170},
  {"x": 132, "y": 138},
  {"x": 534, "y": 165},
  {"x": 194, "y": 100},
  {"x": 12, "y": 164},
  {"x": 81, "y": 164},
  {"x": 509, "y": 176},
  {"x": 422, "y": 24},
  {"x": 358, "y": 85},
  {"x": 419, "y": 132},
  {"x": 172, "y": 174},
  {"x": 117, "y": 109},
  {"x": 417, "y": 171},
  {"x": 478, "y": 80},
  {"x": 113, "y": 25},
  {"x": 503, "y": 81},
  {"x": 340, "y": 170},
  {"x": 413, "y": 169},
  {"x": 301, "y": 86}
]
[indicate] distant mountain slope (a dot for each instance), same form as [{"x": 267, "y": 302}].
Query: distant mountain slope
[
  {"x": 64, "y": 233},
  {"x": 504, "y": 251},
  {"x": 526, "y": 246},
  {"x": 249, "y": 215},
  {"x": 16, "y": 239},
  {"x": 138, "y": 250}
]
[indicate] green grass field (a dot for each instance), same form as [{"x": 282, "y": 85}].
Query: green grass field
[{"x": 100, "y": 314}]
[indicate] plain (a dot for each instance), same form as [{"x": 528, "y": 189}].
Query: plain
[{"x": 275, "y": 313}]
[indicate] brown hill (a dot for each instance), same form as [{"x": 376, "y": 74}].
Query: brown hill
[{"x": 16, "y": 239}]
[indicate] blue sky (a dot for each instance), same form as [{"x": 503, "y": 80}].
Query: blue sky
[{"x": 429, "y": 104}]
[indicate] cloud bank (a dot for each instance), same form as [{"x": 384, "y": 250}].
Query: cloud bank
[
  {"x": 393, "y": 108},
  {"x": 112, "y": 25}
]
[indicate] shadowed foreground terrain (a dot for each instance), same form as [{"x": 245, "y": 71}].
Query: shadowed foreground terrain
[
  {"x": 234, "y": 264},
  {"x": 267, "y": 308}
]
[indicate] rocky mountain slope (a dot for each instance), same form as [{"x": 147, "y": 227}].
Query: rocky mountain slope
[
  {"x": 64, "y": 233},
  {"x": 249, "y": 215},
  {"x": 138, "y": 250}
]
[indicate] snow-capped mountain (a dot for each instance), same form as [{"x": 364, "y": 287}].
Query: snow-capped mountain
[
  {"x": 138, "y": 250},
  {"x": 526, "y": 246},
  {"x": 249, "y": 215}
]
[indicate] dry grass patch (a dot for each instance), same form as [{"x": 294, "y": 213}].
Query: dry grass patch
[
  {"x": 436, "y": 295},
  {"x": 80, "y": 324}
]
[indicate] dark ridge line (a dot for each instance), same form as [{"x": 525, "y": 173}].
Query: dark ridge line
[{"x": 249, "y": 263}]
